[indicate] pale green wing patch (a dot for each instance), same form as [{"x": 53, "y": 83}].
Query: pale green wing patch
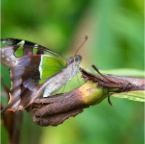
[
  {"x": 49, "y": 66},
  {"x": 35, "y": 50},
  {"x": 132, "y": 95},
  {"x": 19, "y": 51}
]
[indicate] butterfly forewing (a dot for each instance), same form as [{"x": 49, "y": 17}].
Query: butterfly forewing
[
  {"x": 33, "y": 68},
  {"x": 11, "y": 49}
]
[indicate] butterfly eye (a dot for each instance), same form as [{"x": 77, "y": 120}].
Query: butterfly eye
[{"x": 78, "y": 58}]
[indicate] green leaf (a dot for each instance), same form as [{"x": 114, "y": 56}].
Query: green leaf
[
  {"x": 125, "y": 72},
  {"x": 132, "y": 95}
]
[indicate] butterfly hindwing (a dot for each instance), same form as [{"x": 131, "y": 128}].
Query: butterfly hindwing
[{"x": 28, "y": 74}]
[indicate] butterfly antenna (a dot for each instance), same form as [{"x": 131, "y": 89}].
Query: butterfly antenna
[{"x": 85, "y": 39}]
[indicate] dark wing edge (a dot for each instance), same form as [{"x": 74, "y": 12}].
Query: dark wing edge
[{"x": 29, "y": 45}]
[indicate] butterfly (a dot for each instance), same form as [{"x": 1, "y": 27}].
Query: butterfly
[{"x": 34, "y": 70}]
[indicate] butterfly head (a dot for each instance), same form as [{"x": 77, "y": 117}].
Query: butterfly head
[{"x": 75, "y": 59}]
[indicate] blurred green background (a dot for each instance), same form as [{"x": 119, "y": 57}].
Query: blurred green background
[{"x": 115, "y": 31}]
